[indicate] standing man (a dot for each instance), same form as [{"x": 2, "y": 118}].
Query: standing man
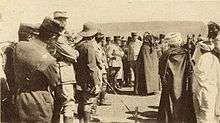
[
  {"x": 87, "y": 72},
  {"x": 126, "y": 68},
  {"x": 175, "y": 70},
  {"x": 115, "y": 54},
  {"x": 65, "y": 56},
  {"x": 35, "y": 74},
  {"x": 134, "y": 49},
  {"x": 103, "y": 66}
]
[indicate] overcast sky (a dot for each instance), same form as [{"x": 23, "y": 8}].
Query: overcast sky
[{"x": 103, "y": 11}]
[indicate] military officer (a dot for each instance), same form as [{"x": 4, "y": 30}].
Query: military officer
[
  {"x": 115, "y": 54},
  {"x": 66, "y": 56},
  {"x": 134, "y": 47},
  {"x": 87, "y": 72},
  {"x": 35, "y": 74}
]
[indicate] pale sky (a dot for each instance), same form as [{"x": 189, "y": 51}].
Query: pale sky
[{"x": 103, "y": 11}]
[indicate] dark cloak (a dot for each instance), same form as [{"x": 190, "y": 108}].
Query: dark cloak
[
  {"x": 147, "y": 78},
  {"x": 176, "y": 103}
]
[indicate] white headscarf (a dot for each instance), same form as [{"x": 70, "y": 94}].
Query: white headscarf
[{"x": 174, "y": 39}]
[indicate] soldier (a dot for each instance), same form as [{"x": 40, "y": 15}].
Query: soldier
[
  {"x": 103, "y": 66},
  {"x": 87, "y": 72},
  {"x": 134, "y": 49},
  {"x": 126, "y": 68},
  {"x": 115, "y": 54},
  {"x": 28, "y": 31},
  {"x": 35, "y": 74},
  {"x": 66, "y": 56}
]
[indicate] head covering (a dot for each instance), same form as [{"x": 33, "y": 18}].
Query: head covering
[
  {"x": 89, "y": 29},
  {"x": 60, "y": 14},
  {"x": 51, "y": 25},
  {"x": 27, "y": 30},
  {"x": 134, "y": 34},
  {"x": 174, "y": 39},
  {"x": 123, "y": 39},
  {"x": 161, "y": 36},
  {"x": 206, "y": 45},
  {"x": 100, "y": 35},
  {"x": 108, "y": 39},
  {"x": 117, "y": 38}
]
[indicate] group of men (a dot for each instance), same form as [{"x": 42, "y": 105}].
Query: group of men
[
  {"x": 189, "y": 72},
  {"x": 47, "y": 72}
]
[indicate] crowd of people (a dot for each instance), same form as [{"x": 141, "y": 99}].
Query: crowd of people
[{"x": 51, "y": 71}]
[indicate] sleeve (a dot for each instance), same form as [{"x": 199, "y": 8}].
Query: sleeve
[
  {"x": 66, "y": 50},
  {"x": 92, "y": 65},
  {"x": 51, "y": 72}
]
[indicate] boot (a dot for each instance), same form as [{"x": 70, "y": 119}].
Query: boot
[
  {"x": 87, "y": 117},
  {"x": 68, "y": 119}
]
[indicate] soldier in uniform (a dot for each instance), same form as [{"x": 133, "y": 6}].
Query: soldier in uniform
[
  {"x": 66, "y": 56},
  {"x": 103, "y": 66},
  {"x": 35, "y": 74},
  {"x": 126, "y": 68},
  {"x": 87, "y": 72},
  {"x": 115, "y": 54},
  {"x": 134, "y": 47}
]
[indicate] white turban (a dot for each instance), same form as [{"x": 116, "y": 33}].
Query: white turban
[
  {"x": 206, "y": 45},
  {"x": 174, "y": 39}
]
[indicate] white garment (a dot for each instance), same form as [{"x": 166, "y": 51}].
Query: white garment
[
  {"x": 205, "y": 87},
  {"x": 136, "y": 46}
]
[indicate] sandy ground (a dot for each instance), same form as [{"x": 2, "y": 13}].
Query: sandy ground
[{"x": 118, "y": 113}]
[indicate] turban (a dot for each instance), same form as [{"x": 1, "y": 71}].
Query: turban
[
  {"x": 174, "y": 39},
  {"x": 206, "y": 45}
]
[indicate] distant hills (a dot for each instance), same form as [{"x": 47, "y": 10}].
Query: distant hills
[{"x": 154, "y": 27}]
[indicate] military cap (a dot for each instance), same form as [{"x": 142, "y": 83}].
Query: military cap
[
  {"x": 117, "y": 38},
  {"x": 134, "y": 34},
  {"x": 51, "y": 25},
  {"x": 108, "y": 38},
  {"x": 60, "y": 14},
  {"x": 27, "y": 30},
  {"x": 124, "y": 39}
]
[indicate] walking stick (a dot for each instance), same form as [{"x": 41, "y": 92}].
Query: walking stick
[{"x": 123, "y": 102}]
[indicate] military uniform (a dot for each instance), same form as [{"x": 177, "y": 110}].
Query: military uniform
[
  {"x": 87, "y": 76},
  {"x": 115, "y": 54},
  {"x": 133, "y": 51},
  {"x": 35, "y": 74},
  {"x": 66, "y": 56},
  {"x": 65, "y": 101}
]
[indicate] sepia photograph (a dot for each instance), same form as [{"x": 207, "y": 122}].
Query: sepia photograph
[{"x": 110, "y": 61}]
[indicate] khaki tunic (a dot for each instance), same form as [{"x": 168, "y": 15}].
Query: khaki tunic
[{"x": 35, "y": 72}]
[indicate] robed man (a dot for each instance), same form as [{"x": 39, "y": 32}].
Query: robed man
[{"x": 147, "y": 77}]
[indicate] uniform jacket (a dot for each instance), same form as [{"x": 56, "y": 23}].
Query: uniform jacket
[
  {"x": 86, "y": 67},
  {"x": 35, "y": 71},
  {"x": 134, "y": 49},
  {"x": 115, "y": 54}
]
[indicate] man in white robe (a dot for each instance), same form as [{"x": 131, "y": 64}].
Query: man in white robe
[{"x": 205, "y": 84}]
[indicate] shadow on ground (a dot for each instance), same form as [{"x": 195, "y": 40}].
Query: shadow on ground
[
  {"x": 153, "y": 107},
  {"x": 146, "y": 117}
]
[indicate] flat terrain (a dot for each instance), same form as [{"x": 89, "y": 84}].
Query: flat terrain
[{"x": 118, "y": 113}]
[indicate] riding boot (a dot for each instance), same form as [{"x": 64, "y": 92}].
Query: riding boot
[{"x": 68, "y": 119}]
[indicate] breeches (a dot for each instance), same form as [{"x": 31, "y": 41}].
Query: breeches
[{"x": 65, "y": 102}]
